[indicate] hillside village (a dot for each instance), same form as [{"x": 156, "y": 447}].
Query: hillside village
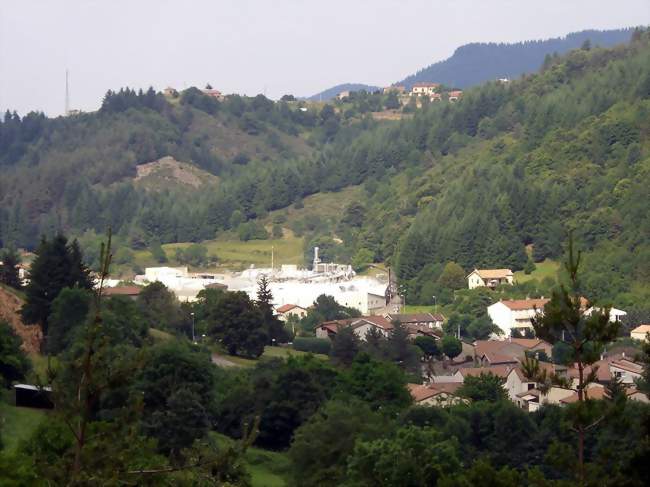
[{"x": 417, "y": 286}]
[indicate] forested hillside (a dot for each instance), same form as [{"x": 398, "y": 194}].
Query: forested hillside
[
  {"x": 478, "y": 62},
  {"x": 474, "y": 182},
  {"x": 511, "y": 166},
  {"x": 330, "y": 93}
]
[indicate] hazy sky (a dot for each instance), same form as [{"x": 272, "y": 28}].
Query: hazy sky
[{"x": 253, "y": 46}]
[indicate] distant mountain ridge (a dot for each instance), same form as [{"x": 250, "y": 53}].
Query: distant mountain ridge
[
  {"x": 478, "y": 62},
  {"x": 475, "y": 63},
  {"x": 335, "y": 90}
]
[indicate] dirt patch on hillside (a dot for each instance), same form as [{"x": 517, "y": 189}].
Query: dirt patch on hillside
[
  {"x": 171, "y": 170},
  {"x": 10, "y": 305}
]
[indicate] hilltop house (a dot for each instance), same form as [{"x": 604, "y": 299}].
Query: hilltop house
[
  {"x": 424, "y": 89},
  {"x": 454, "y": 95},
  {"x": 399, "y": 89},
  {"x": 287, "y": 310},
  {"x": 213, "y": 93},
  {"x": 640, "y": 332},
  {"x": 515, "y": 314},
  {"x": 489, "y": 278}
]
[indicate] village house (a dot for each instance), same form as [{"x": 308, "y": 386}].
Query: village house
[
  {"x": 510, "y": 351},
  {"x": 399, "y": 89},
  {"x": 640, "y": 333},
  {"x": 130, "y": 291},
  {"x": 426, "y": 320},
  {"x": 343, "y": 95},
  {"x": 515, "y": 314},
  {"x": 213, "y": 93},
  {"x": 424, "y": 89},
  {"x": 287, "y": 310},
  {"x": 489, "y": 278},
  {"x": 454, "y": 95},
  {"x": 361, "y": 326},
  {"x": 436, "y": 394},
  {"x": 170, "y": 92},
  {"x": 614, "y": 314}
]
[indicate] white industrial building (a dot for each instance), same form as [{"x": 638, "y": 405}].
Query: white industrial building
[{"x": 289, "y": 284}]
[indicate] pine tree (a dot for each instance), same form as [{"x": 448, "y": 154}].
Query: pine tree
[
  {"x": 9, "y": 268},
  {"x": 57, "y": 265},
  {"x": 345, "y": 347}
]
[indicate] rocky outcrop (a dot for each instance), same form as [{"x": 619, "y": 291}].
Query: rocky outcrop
[{"x": 10, "y": 305}]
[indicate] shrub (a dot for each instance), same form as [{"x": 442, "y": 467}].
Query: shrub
[{"x": 312, "y": 344}]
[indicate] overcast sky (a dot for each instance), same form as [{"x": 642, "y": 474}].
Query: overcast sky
[{"x": 257, "y": 46}]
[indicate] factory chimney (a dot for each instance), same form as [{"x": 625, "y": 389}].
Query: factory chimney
[{"x": 316, "y": 259}]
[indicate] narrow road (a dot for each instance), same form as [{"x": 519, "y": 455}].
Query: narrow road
[{"x": 222, "y": 361}]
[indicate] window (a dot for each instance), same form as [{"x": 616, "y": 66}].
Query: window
[{"x": 531, "y": 386}]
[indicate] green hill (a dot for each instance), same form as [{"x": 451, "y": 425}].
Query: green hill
[{"x": 509, "y": 166}]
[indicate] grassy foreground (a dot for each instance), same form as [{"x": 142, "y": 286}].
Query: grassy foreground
[
  {"x": 17, "y": 424},
  {"x": 267, "y": 468}
]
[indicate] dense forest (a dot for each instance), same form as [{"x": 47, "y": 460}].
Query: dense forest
[{"x": 474, "y": 182}]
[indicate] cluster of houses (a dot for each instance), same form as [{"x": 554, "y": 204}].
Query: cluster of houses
[
  {"x": 418, "y": 92},
  {"x": 504, "y": 359}
]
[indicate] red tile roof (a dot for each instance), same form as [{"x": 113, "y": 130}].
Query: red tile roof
[
  {"x": 122, "y": 291},
  {"x": 498, "y": 370},
  {"x": 523, "y": 304},
  {"x": 421, "y": 392},
  {"x": 288, "y": 307}
]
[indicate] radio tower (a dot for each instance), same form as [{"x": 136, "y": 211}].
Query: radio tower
[{"x": 67, "y": 95}]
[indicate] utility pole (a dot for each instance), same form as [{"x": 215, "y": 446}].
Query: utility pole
[
  {"x": 193, "y": 338},
  {"x": 272, "y": 257},
  {"x": 67, "y": 94}
]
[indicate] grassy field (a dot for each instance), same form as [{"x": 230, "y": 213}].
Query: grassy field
[
  {"x": 323, "y": 205},
  {"x": 234, "y": 254},
  {"x": 269, "y": 353},
  {"x": 548, "y": 268},
  {"x": 17, "y": 423},
  {"x": 267, "y": 468}
]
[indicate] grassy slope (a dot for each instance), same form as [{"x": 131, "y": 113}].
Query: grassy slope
[
  {"x": 548, "y": 268},
  {"x": 234, "y": 254},
  {"x": 17, "y": 423},
  {"x": 269, "y": 353},
  {"x": 267, "y": 468}
]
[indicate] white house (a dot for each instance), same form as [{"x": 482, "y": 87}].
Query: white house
[
  {"x": 614, "y": 314},
  {"x": 424, "y": 89},
  {"x": 489, "y": 278},
  {"x": 287, "y": 310},
  {"x": 515, "y": 314},
  {"x": 640, "y": 332}
]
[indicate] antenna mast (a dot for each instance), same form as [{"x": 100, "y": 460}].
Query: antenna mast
[{"x": 67, "y": 94}]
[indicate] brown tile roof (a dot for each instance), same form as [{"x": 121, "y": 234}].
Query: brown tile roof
[
  {"x": 288, "y": 307},
  {"x": 421, "y": 392},
  {"x": 425, "y": 84},
  {"x": 415, "y": 317},
  {"x": 603, "y": 373},
  {"x": 376, "y": 320},
  {"x": 590, "y": 393},
  {"x": 498, "y": 370},
  {"x": 627, "y": 365},
  {"x": 522, "y": 304},
  {"x": 493, "y": 273},
  {"x": 122, "y": 291}
]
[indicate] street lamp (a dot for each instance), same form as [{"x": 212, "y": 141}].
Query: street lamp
[{"x": 193, "y": 339}]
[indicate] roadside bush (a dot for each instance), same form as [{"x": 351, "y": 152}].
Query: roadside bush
[{"x": 312, "y": 344}]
